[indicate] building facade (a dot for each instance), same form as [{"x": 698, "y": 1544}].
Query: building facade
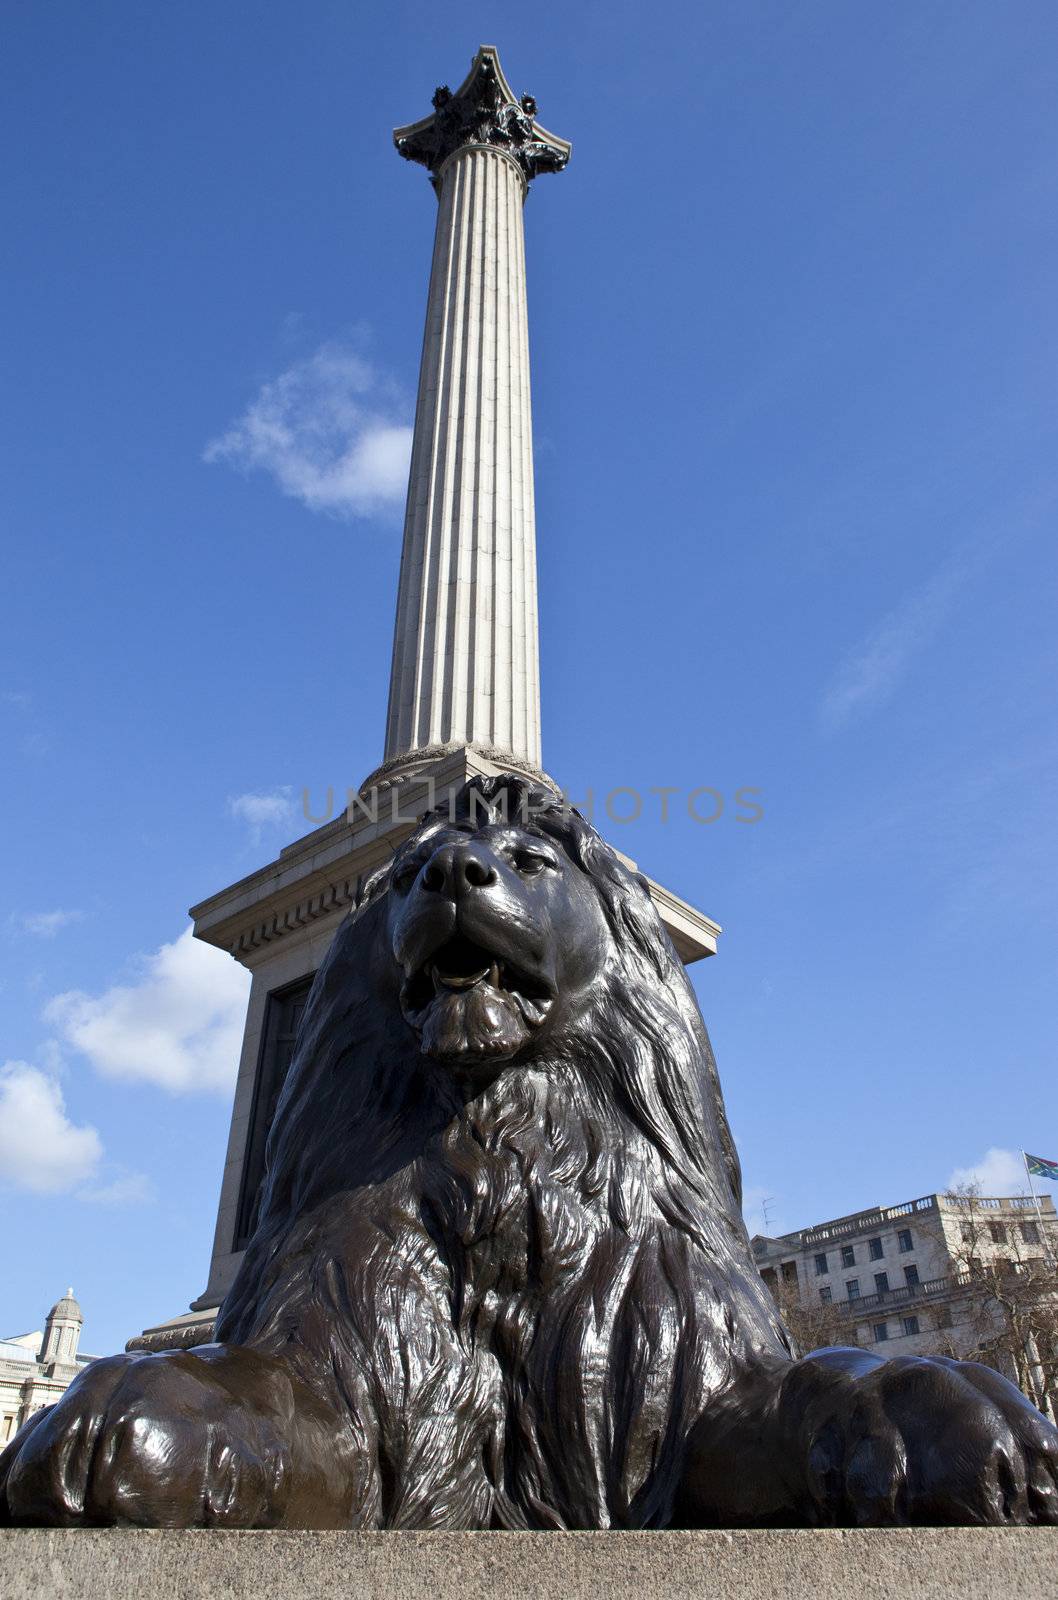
[
  {"x": 919, "y": 1278},
  {"x": 36, "y": 1368}
]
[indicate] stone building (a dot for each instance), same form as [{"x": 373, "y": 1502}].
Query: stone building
[
  {"x": 36, "y": 1368},
  {"x": 912, "y": 1279}
]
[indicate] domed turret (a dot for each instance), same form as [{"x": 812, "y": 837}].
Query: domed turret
[
  {"x": 62, "y": 1330},
  {"x": 67, "y": 1308}
]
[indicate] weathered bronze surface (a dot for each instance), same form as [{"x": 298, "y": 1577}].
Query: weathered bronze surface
[
  {"x": 481, "y": 112},
  {"x": 500, "y": 1277}
]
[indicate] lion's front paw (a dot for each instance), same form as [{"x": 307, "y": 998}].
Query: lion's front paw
[
  {"x": 152, "y": 1441},
  {"x": 923, "y": 1440}
]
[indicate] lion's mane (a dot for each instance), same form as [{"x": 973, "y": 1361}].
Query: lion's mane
[{"x": 522, "y": 1297}]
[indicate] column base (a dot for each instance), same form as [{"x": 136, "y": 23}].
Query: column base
[{"x": 418, "y": 763}]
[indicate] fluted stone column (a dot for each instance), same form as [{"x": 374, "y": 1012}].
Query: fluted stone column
[{"x": 465, "y": 652}]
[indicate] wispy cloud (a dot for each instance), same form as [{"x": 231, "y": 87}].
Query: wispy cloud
[
  {"x": 46, "y": 924},
  {"x": 40, "y": 1148},
  {"x": 330, "y": 430},
  {"x": 134, "y": 1189},
  {"x": 179, "y": 1026},
  {"x": 872, "y": 672},
  {"x": 998, "y": 1172},
  {"x": 33, "y": 738},
  {"x": 272, "y": 808}
]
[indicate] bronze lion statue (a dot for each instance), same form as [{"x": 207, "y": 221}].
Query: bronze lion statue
[{"x": 500, "y": 1277}]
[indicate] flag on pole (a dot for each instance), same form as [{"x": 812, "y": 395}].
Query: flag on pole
[{"x": 1040, "y": 1167}]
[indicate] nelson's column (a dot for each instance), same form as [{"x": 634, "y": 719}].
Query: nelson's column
[{"x": 464, "y": 694}]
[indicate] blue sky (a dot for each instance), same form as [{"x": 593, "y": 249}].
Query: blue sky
[{"x": 794, "y": 355}]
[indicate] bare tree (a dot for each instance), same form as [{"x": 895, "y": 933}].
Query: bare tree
[
  {"x": 1005, "y": 1297},
  {"x": 812, "y": 1326}
]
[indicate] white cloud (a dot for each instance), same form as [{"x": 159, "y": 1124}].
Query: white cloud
[
  {"x": 180, "y": 1026},
  {"x": 998, "y": 1172},
  {"x": 871, "y": 673},
  {"x": 272, "y": 809},
  {"x": 132, "y": 1190},
  {"x": 40, "y": 1148},
  {"x": 46, "y": 924},
  {"x": 330, "y": 432}
]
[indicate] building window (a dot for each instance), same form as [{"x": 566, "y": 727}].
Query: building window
[
  {"x": 789, "y": 1272},
  {"x": 826, "y": 1294},
  {"x": 852, "y": 1288},
  {"x": 848, "y": 1256},
  {"x": 911, "y": 1276},
  {"x": 821, "y": 1266},
  {"x": 967, "y": 1231},
  {"x": 998, "y": 1232},
  {"x": 881, "y": 1283},
  {"x": 910, "y": 1325},
  {"x": 283, "y": 1015},
  {"x": 905, "y": 1241},
  {"x": 881, "y": 1331},
  {"x": 875, "y": 1247},
  {"x": 1030, "y": 1232}
]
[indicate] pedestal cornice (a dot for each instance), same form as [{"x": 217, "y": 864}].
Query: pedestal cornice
[{"x": 317, "y": 880}]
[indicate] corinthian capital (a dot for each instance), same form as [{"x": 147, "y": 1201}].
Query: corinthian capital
[{"x": 484, "y": 110}]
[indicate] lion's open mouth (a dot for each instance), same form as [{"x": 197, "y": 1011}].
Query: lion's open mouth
[{"x": 461, "y": 965}]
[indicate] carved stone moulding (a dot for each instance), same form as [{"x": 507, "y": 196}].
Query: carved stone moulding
[{"x": 336, "y": 897}]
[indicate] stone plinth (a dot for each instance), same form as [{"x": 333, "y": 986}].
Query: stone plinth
[
  {"x": 876, "y": 1564},
  {"x": 279, "y": 922}
]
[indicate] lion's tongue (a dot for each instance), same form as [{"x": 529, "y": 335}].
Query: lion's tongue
[
  {"x": 479, "y": 1021},
  {"x": 533, "y": 1010}
]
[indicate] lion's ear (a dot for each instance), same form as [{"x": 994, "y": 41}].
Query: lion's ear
[{"x": 372, "y": 887}]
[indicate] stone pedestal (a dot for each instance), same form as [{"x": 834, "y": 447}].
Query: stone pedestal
[
  {"x": 279, "y": 923},
  {"x": 876, "y": 1564}
]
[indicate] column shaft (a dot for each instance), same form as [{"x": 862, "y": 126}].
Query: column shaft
[{"x": 465, "y": 654}]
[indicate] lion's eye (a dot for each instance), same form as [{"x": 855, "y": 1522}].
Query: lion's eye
[
  {"x": 530, "y": 862},
  {"x": 404, "y": 876}
]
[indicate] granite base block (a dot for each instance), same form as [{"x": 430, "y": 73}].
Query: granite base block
[{"x": 898, "y": 1564}]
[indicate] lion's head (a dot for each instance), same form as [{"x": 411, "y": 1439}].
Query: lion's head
[
  {"x": 504, "y": 937},
  {"x": 499, "y": 937}
]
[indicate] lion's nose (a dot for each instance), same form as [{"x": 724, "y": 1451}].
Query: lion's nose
[{"x": 457, "y": 868}]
